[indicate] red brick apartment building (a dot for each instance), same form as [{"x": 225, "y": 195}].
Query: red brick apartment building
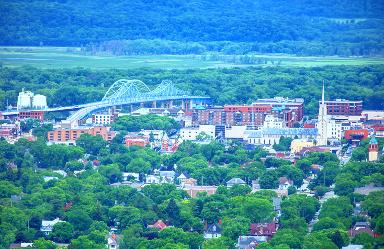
[
  {"x": 71, "y": 135},
  {"x": 344, "y": 107}
]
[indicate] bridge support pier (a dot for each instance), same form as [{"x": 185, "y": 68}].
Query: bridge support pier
[
  {"x": 142, "y": 105},
  {"x": 154, "y": 104}
]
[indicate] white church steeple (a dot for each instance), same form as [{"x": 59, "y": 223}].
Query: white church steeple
[{"x": 322, "y": 122}]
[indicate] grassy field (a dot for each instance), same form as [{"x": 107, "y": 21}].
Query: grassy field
[{"x": 59, "y": 57}]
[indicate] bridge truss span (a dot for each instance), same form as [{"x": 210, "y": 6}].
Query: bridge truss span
[{"x": 125, "y": 92}]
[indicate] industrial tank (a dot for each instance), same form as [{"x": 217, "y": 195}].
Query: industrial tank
[
  {"x": 39, "y": 101},
  {"x": 24, "y": 100}
]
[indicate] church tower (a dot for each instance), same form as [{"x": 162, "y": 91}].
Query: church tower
[
  {"x": 322, "y": 122},
  {"x": 373, "y": 149}
]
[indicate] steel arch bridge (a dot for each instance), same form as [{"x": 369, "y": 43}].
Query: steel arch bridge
[{"x": 125, "y": 92}]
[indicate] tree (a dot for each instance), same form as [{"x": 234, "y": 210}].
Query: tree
[
  {"x": 233, "y": 228},
  {"x": 257, "y": 210},
  {"x": 43, "y": 244},
  {"x": 83, "y": 242},
  {"x": 173, "y": 211},
  {"x": 139, "y": 165},
  {"x": 374, "y": 203},
  {"x": 91, "y": 144},
  {"x": 7, "y": 234},
  {"x": 62, "y": 232},
  {"x": 289, "y": 237},
  {"x": 79, "y": 219},
  {"x": 327, "y": 223},
  {"x": 269, "y": 180},
  {"x": 111, "y": 172}
]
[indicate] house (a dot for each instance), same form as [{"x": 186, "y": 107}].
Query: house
[
  {"x": 47, "y": 225},
  {"x": 182, "y": 177},
  {"x": 250, "y": 242},
  {"x": 60, "y": 172},
  {"x": 167, "y": 176},
  {"x": 212, "y": 231},
  {"x": 159, "y": 225},
  {"x": 50, "y": 178},
  {"x": 128, "y": 176},
  {"x": 189, "y": 183},
  {"x": 284, "y": 183},
  {"x": 353, "y": 247},
  {"x": 361, "y": 227},
  {"x": 152, "y": 179},
  {"x": 255, "y": 185},
  {"x": 264, "y": 229},
  {"x": 112, "y": 242},
  {"x": 194, "y": 190},
  {"x": 235, "y": 181}
]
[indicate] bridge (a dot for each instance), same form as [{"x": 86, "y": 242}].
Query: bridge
[{"x": 127, "y": 92}]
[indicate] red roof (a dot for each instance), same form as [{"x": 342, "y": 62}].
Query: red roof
[
  {"x": 263, "y": 229},
  {"x": 159, "y": 225}
]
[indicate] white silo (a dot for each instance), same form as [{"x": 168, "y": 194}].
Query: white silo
[
  {"x": 39, "y": 101},
  {"x": 24, "y": 100}
]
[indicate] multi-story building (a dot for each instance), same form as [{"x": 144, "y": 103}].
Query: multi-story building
[
  {"x": 32, "y": 114},
  {"x": 296, "y": 105},
  {"x": 69, "y": 136},
  {"x": 290, "y": 110},
  {"x": 102, "y": 119},
  {"x": 344, "y": 107}
]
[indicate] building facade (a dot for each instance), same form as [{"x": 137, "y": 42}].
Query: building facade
[
  {"x": 69, "y": 136},
  {"x": 344, "y": 107}
]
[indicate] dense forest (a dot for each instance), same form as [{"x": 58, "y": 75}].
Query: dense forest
[
  {"x": 337, "y": 27},
  {"x": 225, "y": 86}
]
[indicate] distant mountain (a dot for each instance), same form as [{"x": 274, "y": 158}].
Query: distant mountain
[{"x": 73, "y": 23}]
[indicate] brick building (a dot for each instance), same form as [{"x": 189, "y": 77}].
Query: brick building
[
  {"x": 131, "y": 140},
  {"x": 254, "y": 115},
  {"x": 344, "y": 107},
  {"x": 69, "y": 136},
  {"x": 32, "y": 114}
]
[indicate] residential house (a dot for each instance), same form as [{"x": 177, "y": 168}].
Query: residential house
[
  {"x": 128, "y": 176},
  {"x": 264, "y": 229},
  {"x": 361, "y": 227},
  {"x": 152, "y": 179},
  {"x": 112, "y": 242},
  {"x": 235, "y": 181},
  {"x": 194, "y": 190},
  {"x": 250, "y": 242},
  {"x": 47, "y": 225},
  {"x": 284, "y": 183},
  {"x": 212, "y": 231},
  {"x": 158, "y": 224},
  {"x": 50, "y": 178},
  {"x": 167, "y": 176}
]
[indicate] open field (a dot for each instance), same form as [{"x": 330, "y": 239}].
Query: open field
[{"x": 60, "y": 57}]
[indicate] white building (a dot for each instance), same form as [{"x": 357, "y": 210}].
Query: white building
[
  {"x": 191, "y": 133},
  {"x": 102, "y": 119},
  {"x": 272, "y": 121},
  {"x": 235, "y": 132},
  {"x": 47, "y": 225}
]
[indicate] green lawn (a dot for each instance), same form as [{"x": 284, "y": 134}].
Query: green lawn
[{"x": 60, "y": 57}]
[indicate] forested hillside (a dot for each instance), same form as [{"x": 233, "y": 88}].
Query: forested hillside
[
  {"x": 225, "y": 86},
  {"x": 342, "y": 25}
]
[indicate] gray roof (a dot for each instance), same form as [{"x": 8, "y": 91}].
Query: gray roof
[
  {"x": 244, "y": 241},
  {"x": 235, "y": 181},
  {"x": 290, "y": 131}
]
